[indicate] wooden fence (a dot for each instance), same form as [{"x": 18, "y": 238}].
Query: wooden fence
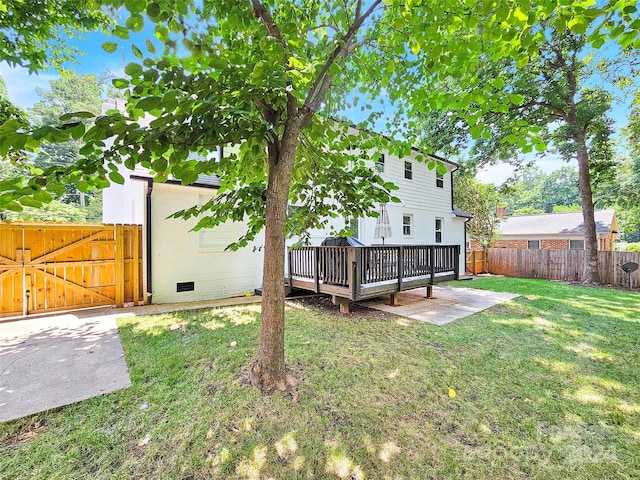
[
  {"x": 565, "y": 265},
  {"x": 476, "y": 261},
  {"x": 51, "y": 267}
]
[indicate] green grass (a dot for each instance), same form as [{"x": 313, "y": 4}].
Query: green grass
[{"x": 548, "y": 386}]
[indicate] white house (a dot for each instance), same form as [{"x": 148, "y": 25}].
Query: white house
[{"x": 182, "y": 265}]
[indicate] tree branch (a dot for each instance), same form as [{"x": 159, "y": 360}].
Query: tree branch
[{"x": 323, "y": 81}]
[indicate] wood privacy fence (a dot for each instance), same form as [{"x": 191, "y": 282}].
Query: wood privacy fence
[
  {"x": 52, "y": 267},
  {"x": 565, "y": 265},
  {"x": 476, "y": 261}
]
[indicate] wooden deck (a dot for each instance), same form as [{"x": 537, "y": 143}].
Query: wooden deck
[{"x": 357, "y": 273}]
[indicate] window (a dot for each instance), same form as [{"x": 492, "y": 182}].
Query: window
[
  {"x": 439, "y": 223},
  {"x": 407, "y": 221},
  {"x": 439, "y": 180},
  {"x": 576, "y": 244},
  {"x": 353, "y": 225},
  {"x": 533, "y": 244},
  {"x": 380, "y": 164},
  {"x": 408, "y": 173}
]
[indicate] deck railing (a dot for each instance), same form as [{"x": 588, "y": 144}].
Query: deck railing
[{"x": 356, "y": 267}]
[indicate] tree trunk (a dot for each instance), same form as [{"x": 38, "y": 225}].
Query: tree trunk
[
  {"x": 268, "y": 370},
  {"x": 590, "y": 274}
]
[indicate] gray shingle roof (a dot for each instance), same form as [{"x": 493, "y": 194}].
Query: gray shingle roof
[
  {"x": 461, "y": 213},
  {"x": 555, "y": 223}
]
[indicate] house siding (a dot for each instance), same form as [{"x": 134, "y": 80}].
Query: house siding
[{"x": 177, "y": 256}]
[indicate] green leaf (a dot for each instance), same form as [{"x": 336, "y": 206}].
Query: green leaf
[
  {"x": 109, "y": 47},
  {"x": 150, "y": 46},
  {"x": 149, "y": 103},
  {"x": 161, "y": 33},
  {"x": 136, "y": 51},
  {"x": 43, "y": 196},
  {"x": 153, "y": 10},
  {"x": 134, "y": 70},
  {"x": 83, "y": 114},
  {"x": 516, "y": 99},
  {"x": 116, "y": 177},
  {"x": 159, "y": 165},
  {"x": 13, "y": 206},
  {"x": 30, "y": 202},
  {"x": 135, "y": 22},
  {"x": 121, "y": 32},
  {"x": 135, "y": 6},
  {"x": 120, "y": 83}
]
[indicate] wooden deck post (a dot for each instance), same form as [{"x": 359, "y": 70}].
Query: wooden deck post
[
  {"x": 355, "y": 260},
  {"x": 429, "y": 291},
  {"x": 432, "y": 262},
  {"x": 394, "y": 300},
  {"x": 316, "y": 268},
  {"x": 119, "y": 266},
  {"x": 456, "y": 263},
  {"x": 342, "y": 302},
  {"x": 400, "y": 266}
]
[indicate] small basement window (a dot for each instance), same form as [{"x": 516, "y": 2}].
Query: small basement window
[
  {"x": 576, "y": 244},
  {"x": 533, "y": 244},
  {"x": 408, "y": 170}
]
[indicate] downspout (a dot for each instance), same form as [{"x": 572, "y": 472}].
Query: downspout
[
  {"x": 464, "y": 249},
  {"x": 148, "y": 234}
]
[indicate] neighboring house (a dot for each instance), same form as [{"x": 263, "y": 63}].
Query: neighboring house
[
  {"x": 182, "y": 265},
  {"x": 556, "y": 231}
]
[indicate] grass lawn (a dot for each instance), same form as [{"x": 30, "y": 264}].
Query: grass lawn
[{"x": 547, "y": 386}]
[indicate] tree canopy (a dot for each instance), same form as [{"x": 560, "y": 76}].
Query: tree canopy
[{"x": 34, "y": 33}]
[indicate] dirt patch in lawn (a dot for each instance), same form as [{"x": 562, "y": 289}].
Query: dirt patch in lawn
[{"x": 323, "y": 304}]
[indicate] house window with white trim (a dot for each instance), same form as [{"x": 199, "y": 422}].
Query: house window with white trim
[
  {"x": 353, "y": 225},
  {"x": 439, "y": 180},
  {"x": 407, "y": 225},
  {"x": 408, "y": 170},
  {"x": 439, "y": 224},
  {"x": 380, "y": 164},
  {"x": 533, "y": 244},
  {"x": 576, "y": 244}
]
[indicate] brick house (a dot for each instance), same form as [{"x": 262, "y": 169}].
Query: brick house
[{"x": 556, "y": 231}]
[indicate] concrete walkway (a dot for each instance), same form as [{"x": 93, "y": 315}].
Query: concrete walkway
[
  {"x": 448, "y": 303},
  {"x": 52, "y": 361}
]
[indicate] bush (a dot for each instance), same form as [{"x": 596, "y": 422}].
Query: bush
[{"x": 633, "y": 247}]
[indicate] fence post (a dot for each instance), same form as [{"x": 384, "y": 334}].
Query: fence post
[
  {"x": 119, "y": 233},
  {"x": 135, "y": 270}
]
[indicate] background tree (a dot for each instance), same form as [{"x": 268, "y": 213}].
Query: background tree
[
  {"x": 554, "y": 101},
  {"x": 256, "y": 75},
  {"x": 479, "y": 200}
]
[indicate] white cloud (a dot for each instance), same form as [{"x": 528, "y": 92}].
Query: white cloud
[{"x": 22, "y": 86}]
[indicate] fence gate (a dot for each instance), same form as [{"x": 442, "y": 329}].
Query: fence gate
[
  {"x": 476, "y": 261},
  {"x": 52, "y": 267}
]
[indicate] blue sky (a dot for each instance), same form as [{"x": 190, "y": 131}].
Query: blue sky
[{"x": 22, "y": 87}]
